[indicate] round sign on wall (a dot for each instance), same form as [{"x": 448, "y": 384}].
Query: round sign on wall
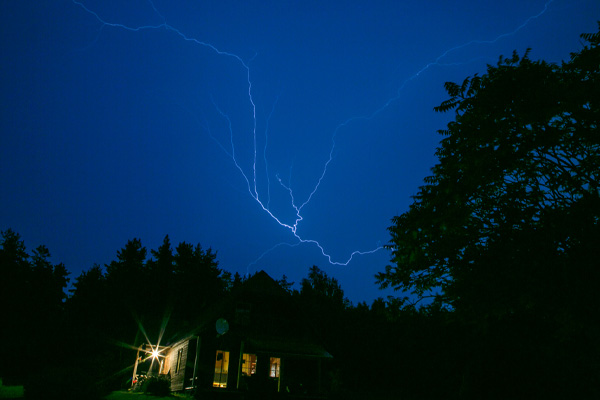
[{"x": 222, "y": 326}]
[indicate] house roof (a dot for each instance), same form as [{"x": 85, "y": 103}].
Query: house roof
[
  {"x": 266, "y": 317},
  {"x": 262, "y": 285},
  {"x": 287, "y": 348}
]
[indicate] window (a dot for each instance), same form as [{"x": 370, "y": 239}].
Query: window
[
  {"x": 274, "y": 364},
  {"x": 249, "y": 364},
  {"x": 221, "y": 369},
  {"x": 178, "y": 363}
]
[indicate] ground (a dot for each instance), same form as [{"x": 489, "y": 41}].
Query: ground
[
  {"x": 16, "y": 392},
  {"x": 125, "y": 395},
  {"x": 10, "y": 392}
]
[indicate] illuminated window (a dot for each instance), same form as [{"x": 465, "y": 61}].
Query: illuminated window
[
  {"x": 249, "y": 364},
  {"x": 274, "y": 367},
  {"x": 221, "y": 368}
]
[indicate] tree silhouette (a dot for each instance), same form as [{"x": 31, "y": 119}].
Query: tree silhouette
[
  {"x": 162, "y": 269},
  {"x": 31, "y": 296},
  {"x": 505, "y": 231},
  {"x": 322, "y": 289},
  {"x": 524, "y": 147},
  {"x": 198, "y": 281}
]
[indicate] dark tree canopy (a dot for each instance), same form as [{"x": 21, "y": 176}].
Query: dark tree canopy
[
  {"x": 505, "y": 232},
  {"x": 513, "y": 203},
  {"x": 31, "y": 301},
  {"x": 322, "y": 289}
]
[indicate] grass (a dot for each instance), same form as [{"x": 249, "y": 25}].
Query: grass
[
  {"x": 10, "y": 392},
  {"x": 16, "y": 392},
  {"x": 125, "y": 395}
]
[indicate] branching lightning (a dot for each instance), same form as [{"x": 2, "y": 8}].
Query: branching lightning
[{"x": 251, "y": 182}]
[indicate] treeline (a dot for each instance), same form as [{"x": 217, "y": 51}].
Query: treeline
[
  {"x": 506, "y": 230},
  {"x": 32, "y": 298},
  {"x": 82, "y": 343},
  {"x": 83, "y": 338}
]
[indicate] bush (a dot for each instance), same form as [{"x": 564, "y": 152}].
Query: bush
[{"x": 157, "y": 385}]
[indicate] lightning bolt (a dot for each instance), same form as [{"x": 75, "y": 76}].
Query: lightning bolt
[
  {"x": 251, "y": 183},
  {"x": 436, "y": 62}
]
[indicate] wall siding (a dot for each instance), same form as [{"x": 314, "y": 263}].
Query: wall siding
[{"x": 178, "y": 378}]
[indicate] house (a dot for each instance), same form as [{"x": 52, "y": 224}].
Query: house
[{"x": 255, "y": 341}]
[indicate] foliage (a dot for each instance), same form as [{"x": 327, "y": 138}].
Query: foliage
[
  {"x": 285, "y": 284},
  {"x": 523, "y": 149},
  {"x": 321, "y": 288},
  {"x": 505, "y": 231},
  {"x": 8, "y": 391},
  {"x": 157, "y": 385},
  {"x": 31, "y": 299},
  {"x": 89, "y": 355}
]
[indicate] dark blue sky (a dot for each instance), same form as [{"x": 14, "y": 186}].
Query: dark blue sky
[{"x": 110, "y": 132}]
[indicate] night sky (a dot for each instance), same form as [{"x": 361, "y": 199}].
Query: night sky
[{"x": 203, "y": 120}]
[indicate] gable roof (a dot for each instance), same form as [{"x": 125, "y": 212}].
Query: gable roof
[{"x": 262, "y": 285}]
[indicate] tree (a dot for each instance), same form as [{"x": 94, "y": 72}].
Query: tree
[
  {"x": 87, "y": 304},
  {"x": 236, "y": 282},
  {"x": 323, "y": 290},
  {"x": 14, "y": 270},
  {"x": 14, "y": 302},
  {"x": 199, "y": 279},
  {"x": 285, "y": 284},
  {"x": 127, "y": 276},
  {"x": 162, "y": 268},
  {"x": 31, "y": 298},
  {"x": 505, "y": 231},
  {"x": 160, "y": 282},
  {"x": 48, "y": 281},
  {"x": 126, "y": 291},
  {"x": 524, "y": 148}
]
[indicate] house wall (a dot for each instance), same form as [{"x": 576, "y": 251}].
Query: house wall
[
  {"x": 206, "y": 361},
  {"x": 180, "y": 349},
  {"x": 180, "y": 363}
]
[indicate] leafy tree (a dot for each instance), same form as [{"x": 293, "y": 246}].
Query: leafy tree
[
  {"x": 523, "y": 149},
  {"x": 505, "y": 231}
]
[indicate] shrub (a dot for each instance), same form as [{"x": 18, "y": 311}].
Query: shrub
[{"x": 157, "y": 385}]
